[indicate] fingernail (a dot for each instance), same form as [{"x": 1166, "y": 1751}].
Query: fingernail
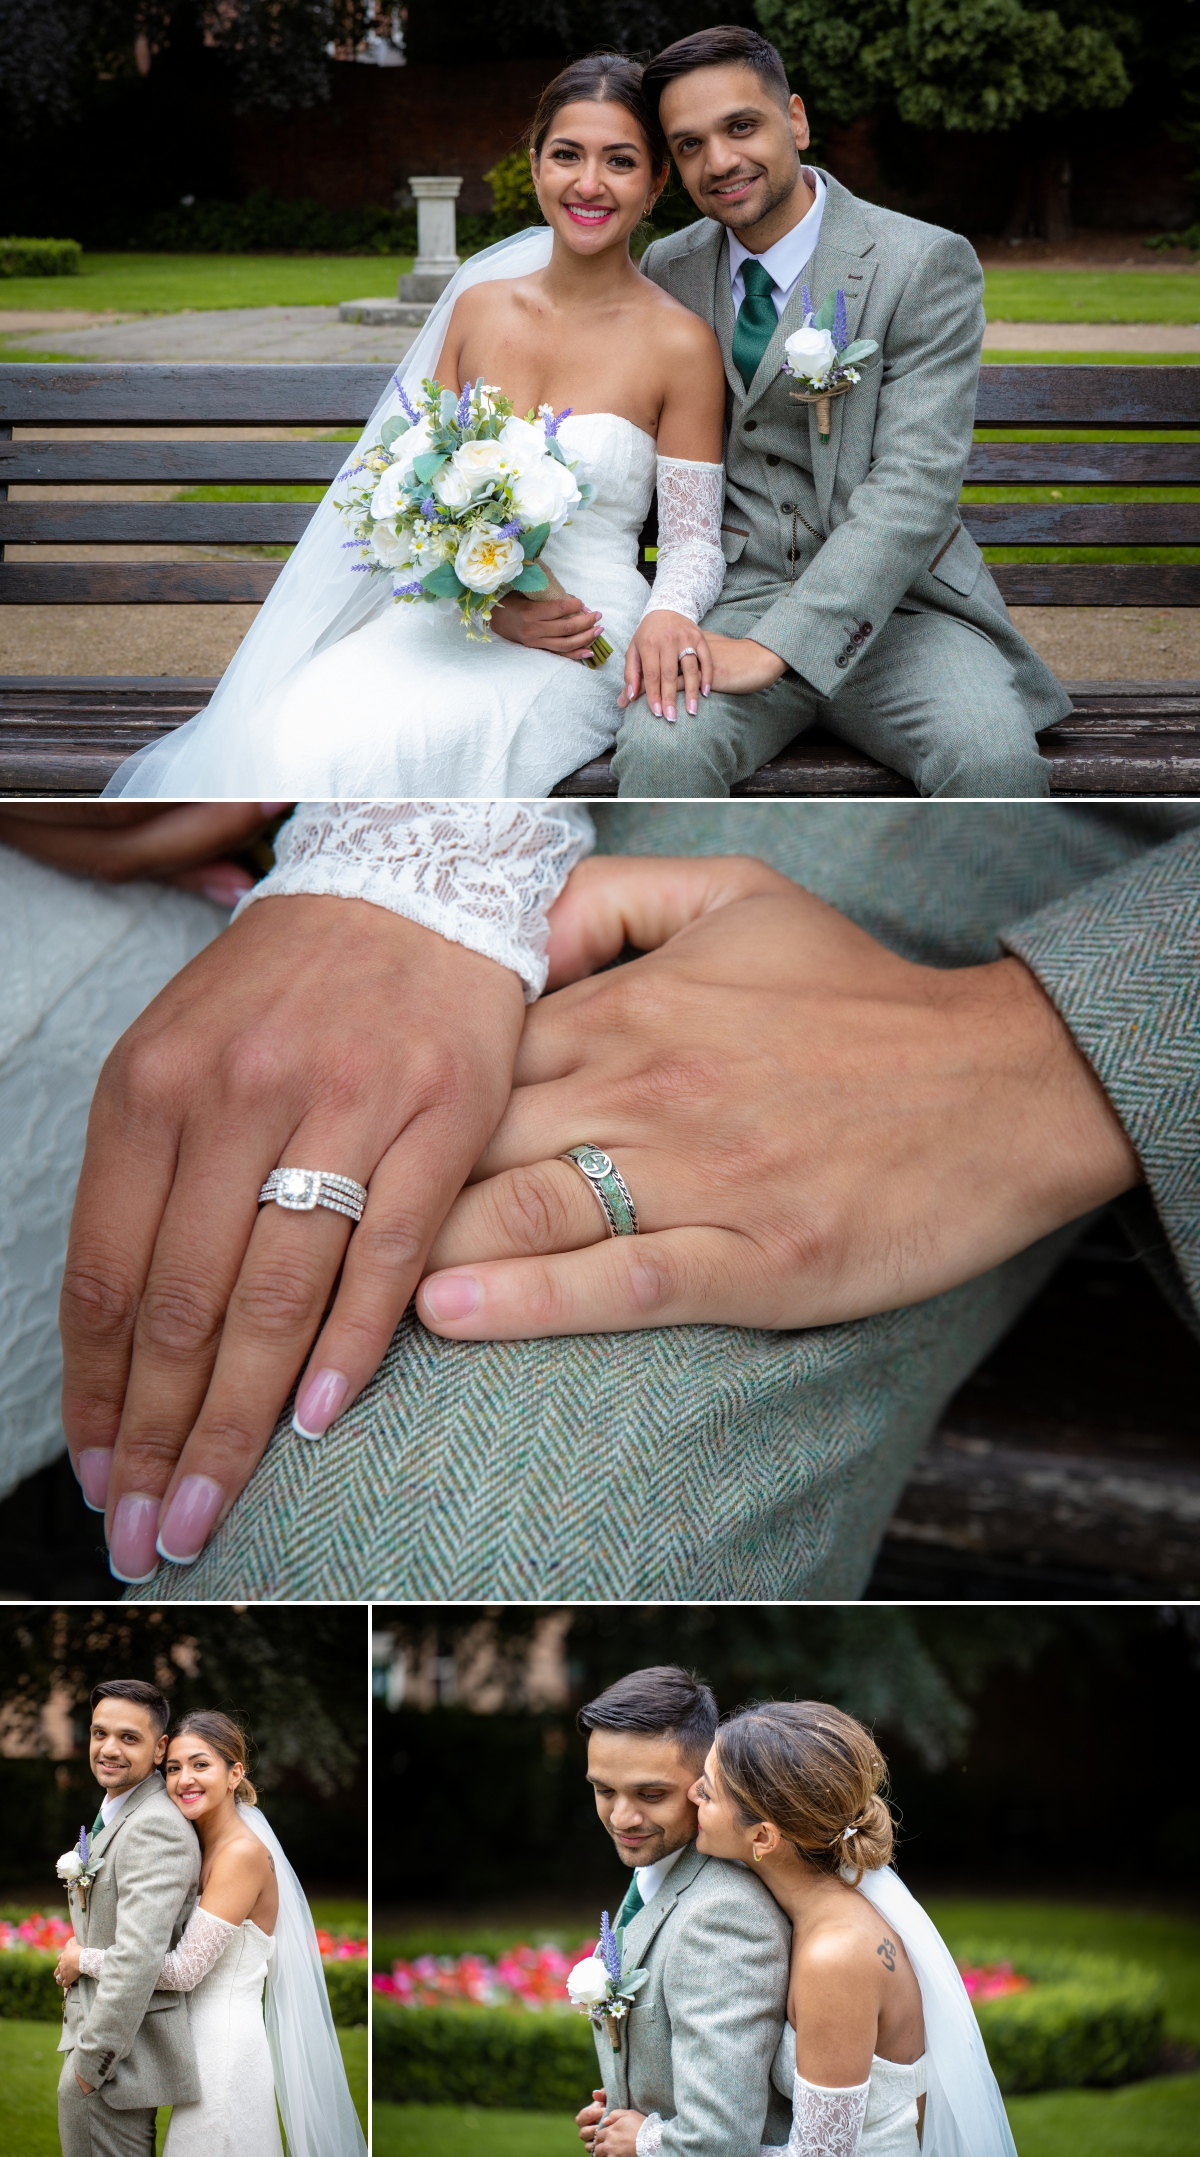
[
  {"x": 189, "y": 1519},
  {"x": 92, "y": 1469},
  {"x": 318, "y": 1402},
  {"x": 670, "y": 718},
  {"x": 272, "y": 808},
  {"x": 452, "y": 1295},
  {"x": 706, "y": 688},
  {"x": 671, "y": 713},
  {"x": 657, "y": 710},
  {"x": 693, "y": 707},
  {"x": 226, "y": 886},
  {"x": 131, "y": 1546}
]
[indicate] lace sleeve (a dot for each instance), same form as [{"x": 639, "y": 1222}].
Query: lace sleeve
[
  {"x": 825, "y": 2123},
  {"x": 482, "y": 874},
  {"x": 691, "y": 565},
  {"x": 204, "y": 1940},
  {"x": 649, "y": 2135}
]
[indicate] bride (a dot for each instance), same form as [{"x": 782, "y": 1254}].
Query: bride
[
  {"x": 338, "y": 688},
  {"x": 881, "y": 2054},
  {"x": 258, "y": 2012}
]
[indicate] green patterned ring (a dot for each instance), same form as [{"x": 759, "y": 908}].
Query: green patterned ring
[{"x": 609, "y": 1187}]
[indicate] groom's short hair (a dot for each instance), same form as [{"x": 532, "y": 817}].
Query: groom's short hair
[
  {"x": 663, "y": 1702},
  {"x": 135, "y": 1689},
  {"x": 725, "y": 45}
]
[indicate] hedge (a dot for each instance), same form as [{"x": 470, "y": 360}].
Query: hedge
[
  {"x": 28, "y": 1992},
  {"x": 526, "y": 2062},
  {"x": 40, "y": 258},
  {"x": 1088, "y": 2018}
]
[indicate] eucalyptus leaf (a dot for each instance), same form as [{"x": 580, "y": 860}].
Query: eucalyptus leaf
[
  {"x": 861, "y": 349},
  {"x": 444, "y": 582},
  {"x": 587, "y": 492},
  {"x": 534, "y": 540},
  {"x": 554, "y": 448},
  {"x": 634, "y": 1981},
  {"x": 531, "y": 579},
  {"x": 393, "y": 428},
  {"x": 447, "y": 408},
  {"x": 823, "y": 320},
  {"x": 425, "y": 467}
]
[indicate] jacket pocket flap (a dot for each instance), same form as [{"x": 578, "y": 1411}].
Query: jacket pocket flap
[
  {"x": 160, "y": 2000},
  {"x": 959, "y": 563},
  {"x": 733, "y": 540}
]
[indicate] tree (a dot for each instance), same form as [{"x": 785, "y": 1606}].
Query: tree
[{"x": 978, "y": 67}]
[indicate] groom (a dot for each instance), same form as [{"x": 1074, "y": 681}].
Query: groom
[
  {"x": 694, "y": 2065},
  {"x": 128, "y": 2047},
  {"x": 859, "y": 598}
]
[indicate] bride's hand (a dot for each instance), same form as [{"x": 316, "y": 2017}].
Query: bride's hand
[
  {"x": 118, "y": 842},
  {"x": 617, "y": 2135},
  {"x": 656, "y": 668},
  {"x": 563, "y": 626},
  {"x": 66, "y": 1969},
  {"x": 318, "y": 1033},
  {"x": 813, "y": 1128}
]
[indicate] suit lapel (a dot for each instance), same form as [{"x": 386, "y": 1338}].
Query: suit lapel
[
  {"x": 642, "y": 1929},
  {"x": 843, "y": 259},
  {"x": 135, "y": 1799}
]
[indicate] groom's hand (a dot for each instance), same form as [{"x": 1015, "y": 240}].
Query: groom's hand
[
  {"x": 740, "y": 666},
  {"x": 589, "y": 2119},
  {"x": 88, "y": 2088},
  {"x": 617, "y": 2134},
  {"x": 320, "y": 1033},
  {"x": 813, "y": 1128}
]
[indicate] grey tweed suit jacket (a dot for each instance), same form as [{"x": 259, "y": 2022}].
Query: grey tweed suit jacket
[
  {"x": 698, "y": 2044},
  {"x": 129, "y": 2041},
  {"x": 873, "y": 514}
]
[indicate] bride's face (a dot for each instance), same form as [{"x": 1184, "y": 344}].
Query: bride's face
[
  {"x": 593, "y": 176},
  {"x": 198, "y": 1780},
  {"x": 720, "y": 1831}
]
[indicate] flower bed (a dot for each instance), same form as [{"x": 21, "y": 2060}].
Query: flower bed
[
  {"x": 1052, "y": 2020},
  {"x": 521, "y": 1976},
  {"x": 29, "y": 1949}
]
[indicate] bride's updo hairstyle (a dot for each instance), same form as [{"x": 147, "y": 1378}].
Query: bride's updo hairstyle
[
  {"x": 226, "y": 1738},
  {"x": 816, "y": 1775},
  {"x": 603, "y": 78}
]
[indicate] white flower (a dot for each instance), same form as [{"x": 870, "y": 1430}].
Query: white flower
[
  {"x": 524, "y": 441},
  {"x": 485, "y": 561},
  {"x": 69, "y": 1866},
  {"x": 545, "y": 493},
  {"x": 587, "y": 1983},
  {"x": 811, "y": 353},
  {"x": 405, "y": 449},
  {"x": 386, "y": 499},
  {"x": 393, "y": 549},
  {"x": 481, "y": 463},
  {"x": 453, "y": 488}
]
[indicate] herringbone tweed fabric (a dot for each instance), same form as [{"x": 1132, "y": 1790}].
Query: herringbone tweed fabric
[{"x": 706, "y": 1462}]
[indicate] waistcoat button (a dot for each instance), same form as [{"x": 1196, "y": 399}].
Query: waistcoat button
[
  {"x": 788, "y": 508},
  {"x": 772, "y": 460},
  {"x": 749, "y": 425}
]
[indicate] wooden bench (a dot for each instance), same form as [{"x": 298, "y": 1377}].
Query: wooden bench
[{"x": 66, "y": 734}]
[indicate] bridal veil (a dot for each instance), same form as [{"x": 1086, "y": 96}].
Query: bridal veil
[{"x": 315, "y": 2104}]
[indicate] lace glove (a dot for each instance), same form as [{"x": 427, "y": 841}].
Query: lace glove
[
  {"x": 649, "y": 2135},
  {"x": 691, "y": 565},
  {"x": 204, "y": 1941},
  {"x": 481, "y": 874},
  {"x": 825, "y": 2123}
]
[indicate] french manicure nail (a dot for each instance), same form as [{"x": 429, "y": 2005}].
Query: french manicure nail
[
  {"x": 132, "y": 1555},
  {"x": 189, "y": 1519},
  {"x": 452, "y": 1295},
  {"x": 657, "y": 710},
  {"x": 318, "y": 1402},
  {"x": 226, "y": 886},
  {"x": 92, "y": 1467}
]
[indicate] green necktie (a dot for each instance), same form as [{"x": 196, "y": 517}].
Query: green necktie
[
  {"x": 756, "y": 322},
  {"x": 97, "y": 1824},
  {"x": 631, "y": 1905}
]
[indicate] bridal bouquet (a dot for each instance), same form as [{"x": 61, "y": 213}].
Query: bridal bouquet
[
  {"x": 822, "y": 357},
  {"x": 77, "y": 1870},
  {"x": 457, "y": 499},
  {"x": 602, "y": 1988}
]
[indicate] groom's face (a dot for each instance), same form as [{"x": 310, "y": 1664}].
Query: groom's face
[
  {"x": 737, "y": 148},
  {"x": 123, "y": 1744},
  {"x": 641, "y": 1785}
]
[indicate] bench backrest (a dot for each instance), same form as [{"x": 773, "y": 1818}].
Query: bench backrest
[{"x": 1139, "y": 400}]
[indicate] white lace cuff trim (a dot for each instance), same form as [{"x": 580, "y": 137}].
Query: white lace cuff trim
[
  {"x": 481, "y": 874},
  {"x": 91, "y": 1961},
  {"x": 203, "y": 1942},
  {"x": 691, "y": 564},
  {"x": 826, "y": 2123},
  {"x": 649, "y": 2135}
]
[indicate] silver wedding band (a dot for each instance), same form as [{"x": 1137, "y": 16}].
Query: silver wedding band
[
  {"x": 689, "y": 652},
  {"x": 299, "y": 1190},
  {"x": 608, "y": 1187}
]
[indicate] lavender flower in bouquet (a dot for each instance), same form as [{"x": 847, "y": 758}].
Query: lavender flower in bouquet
[
  {"x": 821, "y": 356},
  {"x": 457, "y": 499},
  {"x": 77, "y": 1870},
  {"x": 601, "y": 1988}
]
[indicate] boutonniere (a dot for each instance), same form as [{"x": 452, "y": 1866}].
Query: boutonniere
[
  {"x": 77, "y": 1870},
  {"x": 821, "y": 355},
  {"x": 601, "y": 1988}
]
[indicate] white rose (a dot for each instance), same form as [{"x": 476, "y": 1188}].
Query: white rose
[
  {"x": 587, "y": 1983},
  {"x": 386, "y": 498},
  {"x": 545, "y": 493},
  {"x": 524, "y": 441},
  {"x": 406, "y": 449},
  {"x": 811, "y": 353},
  {"x": 452, "y": 488},
  {"x": 69, "y": 1866},
  {"x": 394, "y": 550},
  {"x": 485, "y": 561},
  {"x": 480, "y": 463}
]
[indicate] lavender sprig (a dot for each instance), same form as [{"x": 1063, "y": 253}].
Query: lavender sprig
[
  {"x": 406, "y": 591},
  {"x": 610, "y": 1953},
  {"x": 508, "y": 531},
  {"x": 429, "y": 510},
  {"x": 806, "y": 302},
  {"x": 405, "y": 406},
  {"x": 552, "y": 425},
  {"x": 463, "y": 413},
  {"x": 841, "y": 333}
]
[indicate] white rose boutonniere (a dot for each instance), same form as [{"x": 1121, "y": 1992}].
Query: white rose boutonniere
[
  {"x": 601, "y": 1988},
  {"x": 821, "y": 357},
  {"x": 77, "y": 1870}
]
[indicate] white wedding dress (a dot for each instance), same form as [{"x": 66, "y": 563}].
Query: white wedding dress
[{"x": 340, "y": 689}]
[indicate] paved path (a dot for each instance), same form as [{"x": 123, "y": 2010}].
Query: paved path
[{"x": 315, "y": 333}]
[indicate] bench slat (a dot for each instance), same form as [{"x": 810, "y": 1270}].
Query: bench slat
[
  {"x": 1082, "y": 464},
  {"x": 1083, "y": 524},
  {"x": 169, "y": 464},
  {"x": 1088, "y": 396},
  {"x": 1109, "y": 584},
  {"x": 146, "y": 524},
  {"x": 135, "y": 584},
  {"x": 138, "y": 394}
]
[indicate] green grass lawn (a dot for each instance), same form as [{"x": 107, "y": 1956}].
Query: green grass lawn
[
  {"x": 29, "y": 2071},
  {"x": 165, "y": 284},
  {"x": 1089, "y": 295},
  {"x": 466, "y": 2131}
]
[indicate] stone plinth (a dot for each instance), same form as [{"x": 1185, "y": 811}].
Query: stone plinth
[{"x": 437, "y": 256}]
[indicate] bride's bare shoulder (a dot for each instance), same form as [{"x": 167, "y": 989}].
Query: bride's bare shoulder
[{"x": 687, "y": 337}]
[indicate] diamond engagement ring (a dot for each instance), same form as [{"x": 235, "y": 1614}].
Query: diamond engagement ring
[
  {"x": 689, "y": 652},
  {"x": 298, "y": 1190},
  {"x": 608, "y": 1186}
]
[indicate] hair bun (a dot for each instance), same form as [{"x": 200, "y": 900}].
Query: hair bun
[{"x": 817, "y": 1776}]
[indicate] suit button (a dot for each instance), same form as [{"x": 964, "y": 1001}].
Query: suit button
[
  {"x": 841, "y": 660},
  {"x": 864, "y": 629},
  {"x": 788, "y": 508},
  {"x": 772, "y": 460},
  {"x": 749, "y": 425}
]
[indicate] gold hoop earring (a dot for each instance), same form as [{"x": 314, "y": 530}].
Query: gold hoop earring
[{"x": 755, "y": 1854}]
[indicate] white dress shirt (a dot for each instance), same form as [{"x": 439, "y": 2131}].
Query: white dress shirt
[
  {"x": 111, "y": 1805},
  {"x": 787, "y": 260},
  {"x": 650, "y": 1877}
]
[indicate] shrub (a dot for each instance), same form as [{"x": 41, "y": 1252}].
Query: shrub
[
  {"x": 482, "y": 2056},
  {"x": 28, "y": 1992},
  {"x": 347, "y": 1985},
  {"x": 1086, "y": 2019},
  {"x": 40, "y": 258},
  {"x": 263, "y": 224}
]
